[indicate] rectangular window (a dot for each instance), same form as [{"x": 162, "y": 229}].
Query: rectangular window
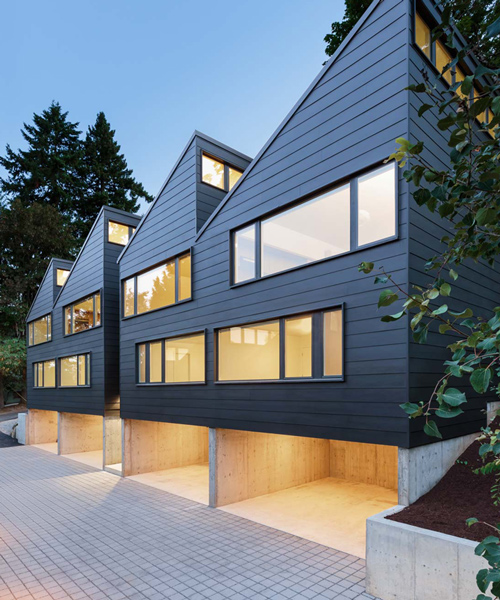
[
  {"x": 423, "y": 35},
  {"x": 61, "y": 276},
  {"x": 443, "y": 58},
  {"x": 219, "y": 174},
  {"x": 319, "y": 228},
  {"x": 82, "y": 315},
  {"x": 44, "y": 374},
  {"x": 316, "y": 229},
  {"x": 158, "y": 287},
  {"x": 286, "y": 348},
  {"x": 74, "y": 371},
  {"x": 244, "y": 254},
  {"x": 119, "y": 233},
  {"x": 40, "y": 330},
  {"x": 377, "y": 205},
  {"x": 172, "y": 360}
]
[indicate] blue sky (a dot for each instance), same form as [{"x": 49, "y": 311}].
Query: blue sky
[{"x": 159, "y": 70}]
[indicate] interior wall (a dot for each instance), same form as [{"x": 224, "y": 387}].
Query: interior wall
[
  {"x": 42, "y": 426},
  {"x": 366, "y": 463},
  {"x": 245, "y": 464},
  {"x": 80, "y": 433},
  {"x": 151, "y": 446}
]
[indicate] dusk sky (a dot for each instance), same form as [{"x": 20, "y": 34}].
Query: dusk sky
[{"x": 159, "y": 70}]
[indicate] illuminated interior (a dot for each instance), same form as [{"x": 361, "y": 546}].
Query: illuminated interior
[
  {"x": 119, "y": 233},
  {"x": 377, "y": 205},
  {"x": 61, "y": 276}
]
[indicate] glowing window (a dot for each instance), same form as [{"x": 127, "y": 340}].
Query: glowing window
[
  {"x": 332, "y": 343},
  {"x": 443, "y": 58},
  {"x": 212, "y": 171},
  {"x": 45, "y": 374},
  {"x": 40, "y": 331},
  {"x": 61, "y": 276},
  {"x": 423, "y": 35},
  {"x": 377, "y": 205},
  {"x": 75, "y": 370},
  {"x": 82, "y": 315},
  {"x": 298, "y": 347},
  {"x": 119, "y": 233}
]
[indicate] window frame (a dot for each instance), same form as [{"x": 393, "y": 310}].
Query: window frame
[
  {"x": 35, "y": 377},
  {"x": 175, "y": 259},
  {"x": 31, "y": 334},
  {"x": 72, "y": 304},
  {"x": 131, "y": 231},
  {"x": 354, "y": 246},
  {"x": 317, "y": 348},
  {"x": 88, "y": 370},
  {"x": 227, "y": 166},
  {"x": 162, "y": 340}
]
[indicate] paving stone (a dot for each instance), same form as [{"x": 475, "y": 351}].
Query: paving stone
[{"x": 70, "y": 531}]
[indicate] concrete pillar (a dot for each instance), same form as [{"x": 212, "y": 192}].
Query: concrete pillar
[
  {"x": 421, "y": 468},
  {"x": 41, "y": 426},
  {"x": 152, "y": 446},
  {"x": 245, "y": 464},
  {"x": 79, "y": 433},
  {"x": 112, "y": 441}
]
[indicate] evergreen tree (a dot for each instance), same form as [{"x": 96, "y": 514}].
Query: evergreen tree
[
  {"x": 108, "y": 180},
  {"x": 340, "y": 29},
  {"x": 29, "y": 237},
  {"x": 48, "y": 171}
]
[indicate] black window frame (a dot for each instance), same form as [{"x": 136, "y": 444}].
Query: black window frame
[
  {"x": 227, "y": 166},
  {"x": 175, "y": 258},
  {"x": 31, "y": 335},
  {"x": 72, "y": 304},
  {"x": 162, "y": 340},
  {"x": 317, "y": 348},
  {"x": 131, "y": 231},
  {"x": 354, "y": 246},
  {"x": 88, "y": 371},
  {"x": 35, "y": 375}
]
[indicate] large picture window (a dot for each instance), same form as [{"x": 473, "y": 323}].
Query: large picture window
[
  {"x": 119, "y": 233},
  {"x": 298, "y": 347},
  {"x": 319, "y": 228},
  {"x": 40, "y": 331},
  {"x": 74, "y": 371},
  {"x": 172, "y": 360},
  {"x": 82, "y": 315},
  {"x": 217, "y": 173},
  {"x": 161, "y": 286},
  {"x": 44, "y": 374}
]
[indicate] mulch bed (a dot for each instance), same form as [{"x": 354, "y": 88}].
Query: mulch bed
[{"x": 459, "y": 495}]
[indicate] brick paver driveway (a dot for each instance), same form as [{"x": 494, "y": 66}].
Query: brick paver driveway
[{"x": 69, "y": 531}]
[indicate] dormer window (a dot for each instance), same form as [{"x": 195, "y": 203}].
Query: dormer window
[
  {"x": 61, "y": 276},
  {"x": 218, "y": 174},
  {"x": 118, "y": 233}
]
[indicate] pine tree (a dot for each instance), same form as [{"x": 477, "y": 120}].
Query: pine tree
[
  {"x": 48, "y": 172},
  {"x": 108, "y": 180}
]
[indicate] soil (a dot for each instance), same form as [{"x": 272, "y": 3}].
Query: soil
[{"x": 459, "y": 495}]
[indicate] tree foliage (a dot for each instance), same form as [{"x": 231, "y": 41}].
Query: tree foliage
[
  {"x": 353, "y": 11},
  {"x": 466, "y": 195},
  {"x": 12, "y": 366}
]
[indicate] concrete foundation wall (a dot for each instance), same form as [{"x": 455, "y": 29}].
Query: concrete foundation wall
[
  {"x": 79, "y": 433},
  {"x": 366, "y": 463},
  {"x": 41, "y": 426},
  {"x": 409, "y": 563},
  {"x": 421, "y": 468},
  {"x": 245, "y": 464},
  {"x": 112, "y": 440},
  {"x": 151, "y": 446}
]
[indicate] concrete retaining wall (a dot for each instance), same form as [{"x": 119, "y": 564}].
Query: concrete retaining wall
[{"x": 409, "y": 563}]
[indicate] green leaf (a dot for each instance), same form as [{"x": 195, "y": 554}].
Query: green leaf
[
  {"x": 386, "y": 298},
  {"x": 486, "y": 215},
  {"x": 445, "y": 289},
  {"x": 446, "y": 122},
  {"x": 453, "y": 273},
  {"x": 479, "y": 106},
  {"x": 439, "y": 311},
  {"x": 493, "y": 29},
  {"x": 431, "y": 429},
  {"x": 411, "y": 409},
  {"x": 466, "y": 86},
  {"x": 420, "y": 334},
  {"x": 464, "y": 314},
  {"x": 432, "y": 294},
  {"x": 459, "y": 135},
  {"x": 423, "y": 109},
  {"x": 444, "y": 327},
  {"x": 480, "y": 380},
  {"x": 381, "y": 279},
  {"x": 366, "y": 267},
  {"x": 495, "y": 105},
  {"x": 454, "y": 397},
  {"x": 390, "y": 318},
  {"x": 481, "y": 579},
  {"x": 471, "y": 521},
  {"x": 448, "y": 413}
]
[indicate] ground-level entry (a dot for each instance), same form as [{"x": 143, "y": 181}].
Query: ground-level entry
[
  {"x": 168, "y": 456},
  {"x": 41, "y": 429},
  {"x": 81, "y": 438}
]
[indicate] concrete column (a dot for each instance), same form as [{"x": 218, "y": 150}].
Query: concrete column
[
  {"x": 420, "y": 469},
  {"x": 112, "y": 441},
  {"x": 152, "y": 446},
  {"x": 245, "y": 464},
  {"x": 79, "y": 433},
  {"x": 41, "y": 426}
]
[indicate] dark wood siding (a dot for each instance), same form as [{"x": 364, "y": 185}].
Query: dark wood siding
[
  {"x": 426, "y": 231},
  {"x": 347, "y": 124}
]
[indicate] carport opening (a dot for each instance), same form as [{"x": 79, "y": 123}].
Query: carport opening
[
  {"x": 321, "y": 490},
  {"x": 167, "y": 456},
  {"x": 42, "y": 429},
  {"x": 81, "y": 438}
]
